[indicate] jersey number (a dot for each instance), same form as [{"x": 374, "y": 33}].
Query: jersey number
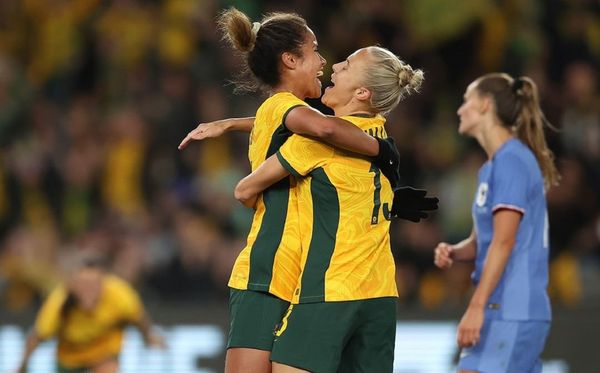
[{"x": 377, "y": 198}]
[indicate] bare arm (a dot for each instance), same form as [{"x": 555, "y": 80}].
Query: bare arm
[
  {"x": 307, "y": 121},
  {"x": 216, "y": 129},
  {"x": 151, "y": 339},
  {"x": 32, "y": 342},
  {"x": 267, "y": 174},
  {"x": 506, "y": 224},
  {"x": 464, "y": 251}
]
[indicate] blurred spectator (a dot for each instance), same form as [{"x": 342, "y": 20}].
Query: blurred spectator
[{"x": 95, "y": 97}]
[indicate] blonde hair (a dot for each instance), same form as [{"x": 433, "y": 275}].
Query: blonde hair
[
  {"x": 389, "y": 79},
  {"x": 517, "y": 105}
]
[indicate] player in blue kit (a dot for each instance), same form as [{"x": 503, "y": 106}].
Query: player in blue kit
[{"x": 505, "y": 326}]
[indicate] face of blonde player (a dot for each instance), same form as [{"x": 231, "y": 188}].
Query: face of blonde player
[
  {"x": 347, "y": 77},
  {"x": 86, "y": 285},
  {"x": 469, "y": 112},
  {"x": 310, "y": 66}
]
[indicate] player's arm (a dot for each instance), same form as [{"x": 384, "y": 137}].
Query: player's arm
[
  {"x": 304, "y": 120},
  {"x": 267, "y": 174},
  {"x": 46, "y": 324},
  {"x": 464, "y": 251},
  {"x": 506, "y": 224},
  {"x": 30, "y": 345},
  {"x": 144, "y": 325},
  {"x": 216, "y": 129}
]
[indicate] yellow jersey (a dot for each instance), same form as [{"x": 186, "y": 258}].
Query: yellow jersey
[
  {"x": 270, "y": 262},
  {"x": 86, "y": 338},
  {"x": 344, "y": 206}
]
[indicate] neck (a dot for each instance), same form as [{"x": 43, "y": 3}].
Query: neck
[
  {"x": 288, "y": 87},
  {"x": 493, "y": 137},
  {"x": 352, "y": 108}
]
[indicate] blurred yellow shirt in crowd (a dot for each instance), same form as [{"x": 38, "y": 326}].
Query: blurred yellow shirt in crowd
[{"x": 85, "y": 338}]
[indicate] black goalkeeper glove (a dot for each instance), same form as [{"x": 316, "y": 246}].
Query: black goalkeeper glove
[
  {"x": 388, "y": 160},
  {"x": 411, "y": 204}
]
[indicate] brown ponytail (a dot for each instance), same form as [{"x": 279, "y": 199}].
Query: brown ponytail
[
  {"x": 237, "y": 29},
  {"x": 262, "y": 44},
  {"x": 518, "y": 108}
]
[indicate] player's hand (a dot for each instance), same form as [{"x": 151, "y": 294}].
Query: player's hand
[
  {"x": 443, "y": 255},
  {"x": 156, "y": 341},
  {"x": 203, "y": 131},
  {"x": 411, "y": 204},
  {"x": 469, "y": 329},
  {"x": 388, "y": 160}
]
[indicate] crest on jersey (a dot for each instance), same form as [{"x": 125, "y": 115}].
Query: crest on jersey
[{"x": 481, "y": 194}]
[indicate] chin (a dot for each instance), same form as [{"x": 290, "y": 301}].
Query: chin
[{"x": 326, "y": 101}]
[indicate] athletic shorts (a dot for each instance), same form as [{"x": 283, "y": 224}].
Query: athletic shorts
[
  {"x": 353, "y": 336},
  {"x": 62, "y": 369},
  {"x": 507, "y": 347},
  {"x": 254, "y": 316}
]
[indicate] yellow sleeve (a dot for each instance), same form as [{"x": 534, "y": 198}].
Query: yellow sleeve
[
  {"x": 126, "y": 297},
  {"x": 300, "y": 155},
  {"x": 48, "y": 318}
]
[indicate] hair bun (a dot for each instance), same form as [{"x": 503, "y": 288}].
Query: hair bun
[
  {"x": 517, "y": 86},
  {"x": 255, "y": 27}
]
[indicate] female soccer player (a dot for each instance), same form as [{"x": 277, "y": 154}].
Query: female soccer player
[
  {"x": 343, "y": 316},
  {"x": 508, "y": 318},
  {"x": 88, "y": 317},
  {"x": 281, "y": 53}
]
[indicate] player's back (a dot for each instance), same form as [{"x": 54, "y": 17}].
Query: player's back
[
  {"x": 270, "y": 262},
  {"x": 344, "y": 220}
]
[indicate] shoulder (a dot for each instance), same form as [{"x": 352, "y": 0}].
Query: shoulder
[
  {"x": 117, "y": 285},
  {"x": 283, "y": 101},
  {"x": 58, "y": 295},
  {"x": 515, "y": 156}
]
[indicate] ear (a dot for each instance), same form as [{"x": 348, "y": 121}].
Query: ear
[
  {"x": 289, "y": 60},
  {"x": 362, "y": 94},
  {"x": 485, "y": 104}
]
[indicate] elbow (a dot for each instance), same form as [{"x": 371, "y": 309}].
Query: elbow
[
  {"x": 325, "y": 131},
  {"x": 240, "y": 193},
  {"x": 244, "y": 195},
  {"x": 506, "y": 245}
]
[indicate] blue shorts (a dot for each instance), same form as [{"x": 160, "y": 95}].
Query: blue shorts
[{"x": 507, "y": 347}]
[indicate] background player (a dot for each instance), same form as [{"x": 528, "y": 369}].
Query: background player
[
  {"x": 88, "y": 316},
  {"x": 508, "y": 318}
]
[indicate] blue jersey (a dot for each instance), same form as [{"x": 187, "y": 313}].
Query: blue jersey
[{"x": 513, "y": 180}]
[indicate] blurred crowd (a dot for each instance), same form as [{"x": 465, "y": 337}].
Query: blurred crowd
[{"x": 96, "y": 95}]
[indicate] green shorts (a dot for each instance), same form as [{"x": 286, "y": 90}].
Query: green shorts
[
  {"x": 352, "y": 336},
  {"x": 254, "y": 316},
  {"x": 63, "y": 369}
]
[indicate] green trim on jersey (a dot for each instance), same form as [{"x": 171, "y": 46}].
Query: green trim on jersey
[
  {"x": 281, "y": 134},
  {"x": 287, "y": 165},
  {"x": 268, "y": 239},
  {"x": 326, "y": 217}
]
